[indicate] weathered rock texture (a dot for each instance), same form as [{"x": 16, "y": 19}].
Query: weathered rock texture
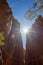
[
  {"x": 12, "y": 51},
  {"x": 34, "y": 45}
]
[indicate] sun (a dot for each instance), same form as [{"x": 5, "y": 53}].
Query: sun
[{"x": 25, "y": 30}]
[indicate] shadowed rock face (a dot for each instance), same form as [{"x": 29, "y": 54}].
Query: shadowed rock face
[
  {"x": 12, "y": 51},
  {"x": 34, "y": 45}
]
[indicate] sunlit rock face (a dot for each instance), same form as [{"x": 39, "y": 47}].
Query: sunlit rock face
[
  {"x": 12, "y": 51},
  {"x": 5, "y": 12},
  {"x": 34, "y": 44}
]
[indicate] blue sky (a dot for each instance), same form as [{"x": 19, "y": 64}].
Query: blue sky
[{"x": 19, "y": 7}]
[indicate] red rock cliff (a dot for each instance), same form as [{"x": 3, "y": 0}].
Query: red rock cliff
[
  {"x": 34, "y": 44},
  {"x": 12, "y": 51}
]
